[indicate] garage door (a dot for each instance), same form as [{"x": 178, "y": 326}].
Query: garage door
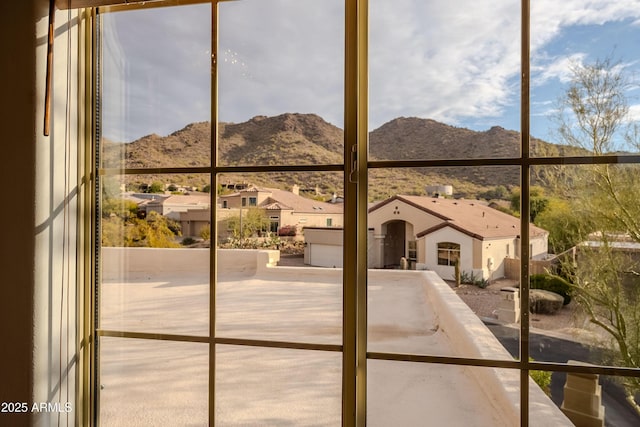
[{"x": 325, "y": 255}]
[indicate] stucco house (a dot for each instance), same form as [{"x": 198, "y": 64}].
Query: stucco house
[
  {"x": 173, "y": 205},
  {"x": 283, "y": 208},
  {"x": 434, "y": 233}
]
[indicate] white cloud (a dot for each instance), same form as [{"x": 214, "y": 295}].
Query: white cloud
[
  {"x": 558, "y": 68},
  {"x": 430, "y": 60},
  {"x": 451, "y": 60},
  {"x": 550, "y": 17}
]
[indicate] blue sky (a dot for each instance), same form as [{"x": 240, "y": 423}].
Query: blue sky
[{"x": 426, "y": 59}]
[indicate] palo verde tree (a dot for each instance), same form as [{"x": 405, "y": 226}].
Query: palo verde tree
[{"x": 594, "y": 116}]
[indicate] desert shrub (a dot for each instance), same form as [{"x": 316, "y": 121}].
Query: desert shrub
[
  {"x": 287, "y": 230},
  {"x": 543, "y": 379},
  {"x": 552, "y": 283},
  {"x": 472, "y": 279},
  {"x": 188, "y": 241},
  {"x": 205, "y": 232}
]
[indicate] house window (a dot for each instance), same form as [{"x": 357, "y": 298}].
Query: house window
[
  {"x": 244, "y": 201},
  {"x": 225, "y": 204},
  {"x": 274, "y": 224},
  {"x": 253, "y": 201},
  {"x": 448, "y": 253},
  {"x": 329, "y": 222},
  {"x": 413, "y": 251}
]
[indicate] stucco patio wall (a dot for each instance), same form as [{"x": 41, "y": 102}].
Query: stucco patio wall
[{"x": 149, "y": 263}]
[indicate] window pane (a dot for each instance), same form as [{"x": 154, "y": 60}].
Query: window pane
[
  {"x": 444, "y": 84},
  {"x": 269, "y": 283},
  {"x": 145, "y": 382},
  {"x": 280, "y": 74},
  {"x": 261, "y": 386},
  {"x": 587, "y": 396},
  {"x": 155, "y": 81},
  {"x": 589, "y": 301},
  {"x": 403, "y": 393},
  {"x": 438, "y": 307},
  {"x": 154, "y": 271},
  {"x": 590, "y": 47}
]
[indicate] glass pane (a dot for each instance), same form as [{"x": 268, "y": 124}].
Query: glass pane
[
  {"x": 280, "y": 74},
  {"x": 156, "y": 87},
  {"x": 587, "y": 396},
  {"x": 444, "y": 84},
  {"x": 279, "y": 274},
  {"x": 154, "y": 263},
  {"x": 404, "y": 393},
  {"x": 584, "y": 64},
  {"x": 261, "y": 386},
  {"x": 146, "y": 382},
  {"x": 585, "y": 297},
  {"x": 464, "y": 273}
]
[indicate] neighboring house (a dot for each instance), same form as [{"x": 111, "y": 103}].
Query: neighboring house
[
  {"x": 172, "y": 206},
  {"x": 282, "y": 208},
  {"x": 436, "y": 233},
  {"x": 623, "y": 249},
  {"x": 193, "y": 221}
]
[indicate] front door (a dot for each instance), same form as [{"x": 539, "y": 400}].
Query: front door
[{"x": 394, "y": 244}]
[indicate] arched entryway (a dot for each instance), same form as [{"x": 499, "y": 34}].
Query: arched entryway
[{"x": 394, "y": 243}]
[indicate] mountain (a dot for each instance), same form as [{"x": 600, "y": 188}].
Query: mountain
[{"x": 308, "y": 139}]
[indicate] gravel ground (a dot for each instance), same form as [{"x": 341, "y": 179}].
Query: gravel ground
[{"x": 567, "y": 322}]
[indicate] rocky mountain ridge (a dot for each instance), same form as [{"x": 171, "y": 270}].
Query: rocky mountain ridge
[{"x": 295, "y": 138}]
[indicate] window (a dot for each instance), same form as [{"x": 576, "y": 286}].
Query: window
[
  {"x": 274, "y": 224},
  {"x": 413, "y": 250},
  {"x": 267, "y": 53},
  {"x": 448, "y": 253}
]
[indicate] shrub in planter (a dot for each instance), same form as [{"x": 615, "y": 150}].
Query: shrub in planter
[
  {"x": 287, "y": 230},
  {"x": 552, "y": 283}
]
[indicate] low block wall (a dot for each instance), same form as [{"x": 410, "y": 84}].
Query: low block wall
[
  {"x": 149, "y": 263},
  {"x": 470, "y": 337}
]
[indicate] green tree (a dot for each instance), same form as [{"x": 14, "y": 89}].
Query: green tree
[
  {"x": 594, "y": 116},
  {"x": 563, "y": 222},
  {"x": 156, "y": 187},
  {"x": 121, "y": 226},
  {"x": 254, "y": 221},
  {"x": 537, "y": 200}
]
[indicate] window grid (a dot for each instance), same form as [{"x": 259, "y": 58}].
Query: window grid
[{"x": 354, "y": 325}]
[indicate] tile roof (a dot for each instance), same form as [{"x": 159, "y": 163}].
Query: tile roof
[
  {"x": 286, "y": 200},
  {"x": 300, "y": 204},
  {"x": 472, "y": 217}
]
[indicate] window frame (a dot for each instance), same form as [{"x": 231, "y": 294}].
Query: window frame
[
  {"x": 449, "y": 248},
  {"x": 355, "y": 168}
]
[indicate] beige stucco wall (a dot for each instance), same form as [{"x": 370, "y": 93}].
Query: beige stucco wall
[
  {"x": 448, "y": 235},
  {"x": 417, "y": 217},
  {"x": 416, "y": 221},
  {"x": 474, "y": 254},
  {"x": 123, "y": 264},
  {"x": 539, "y": 246}
]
